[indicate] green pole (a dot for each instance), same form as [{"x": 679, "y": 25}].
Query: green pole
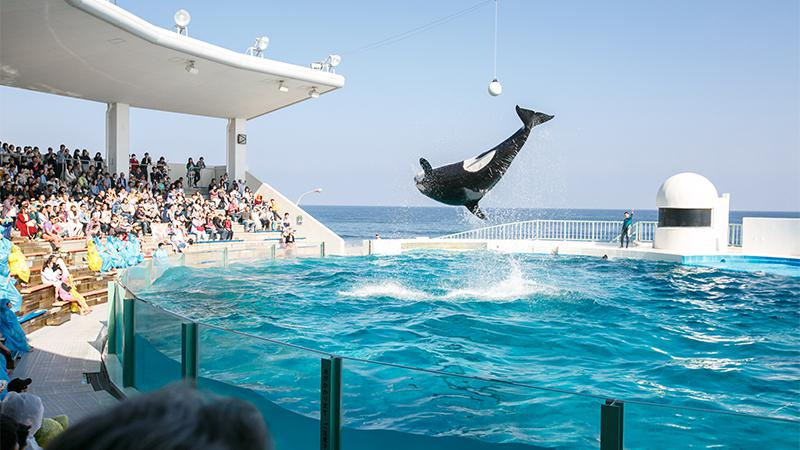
[
  {"x": 611, "y": 415},
  {"x": 111, "y": 344},
  {"x": 330, "y": 404},
  {"x": 225, "y": 257},
  {"x": 322, "y": 249},
  {"x": 273, "y": 251},
  {"x": 128, "y": 344},
  {"x": 189, "y": 352}
]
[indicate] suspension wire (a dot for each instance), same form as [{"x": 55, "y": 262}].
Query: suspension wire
[
  {"x": 414, "y": 31},
  {"x": 494, "y": 53}
]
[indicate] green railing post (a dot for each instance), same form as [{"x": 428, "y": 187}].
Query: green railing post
[
  {"x": 111, "y": 343},
  {"x": 128, "y": 345},
  {"x": 322, "y": 249},
  {"x": 225, "y": 257},
  {"x": 330, "y": 404},
  {"x": 611, "y": 415},
  {"x": 273, "y": 251},
  {"x": 189, "y": 352}
]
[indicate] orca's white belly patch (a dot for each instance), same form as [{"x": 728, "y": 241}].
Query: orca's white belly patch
[
  {"x": 476, "y": 164},
  {"x": 471, "y": 195}
]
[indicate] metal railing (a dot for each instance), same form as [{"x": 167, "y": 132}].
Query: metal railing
[
  {"x": 735, "y": 235},
  {"x": 560, "y": 230},
  {"x": 576, "y": 230}
]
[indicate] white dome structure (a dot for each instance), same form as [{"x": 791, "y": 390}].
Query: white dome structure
[
  {"x": 687, "y": 190},
  {"x": 692, "y": 217}
]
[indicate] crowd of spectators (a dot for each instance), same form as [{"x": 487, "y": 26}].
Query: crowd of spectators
[
  {"x": 57, "y": 195},
  {"x": 66, "y": 194}
]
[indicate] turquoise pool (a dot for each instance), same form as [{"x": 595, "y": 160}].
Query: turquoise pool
[{"x": 661, "y": 335}]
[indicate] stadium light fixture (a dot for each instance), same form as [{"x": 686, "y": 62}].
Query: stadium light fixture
[
  {"x": 191, "y": 68},
  {"x": 182, "y": 19},
  {"x": 313, "y": 93},
  {"x": 313, "y": 191},
  {"x": 282, "y": 87},
  {"x": 328, "y": 64},
  {"x": 258, "y": 47}
]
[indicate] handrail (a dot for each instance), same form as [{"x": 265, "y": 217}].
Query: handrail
[
  {"x": 735, "y": 235},
  {"x": 488, "y": 379},
  {"x": 566, "y": 230},
  {"x": 575, "y": 230}
]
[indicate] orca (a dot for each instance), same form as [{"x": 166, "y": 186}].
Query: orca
[{"x": 465, "y": 183}]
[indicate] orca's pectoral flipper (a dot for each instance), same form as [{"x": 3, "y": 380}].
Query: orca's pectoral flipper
[
  {"x": 532, "y": 118},
  {"x": 474, "y": 209},
  {"x": 426, "y": 166}
]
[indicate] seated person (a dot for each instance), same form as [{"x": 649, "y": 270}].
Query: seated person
[
  {"x": 55, "y": 273},
  {"x": 26, "y": 224}
]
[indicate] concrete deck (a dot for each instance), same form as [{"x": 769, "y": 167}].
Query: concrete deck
[{"x": 61, "y": 357}]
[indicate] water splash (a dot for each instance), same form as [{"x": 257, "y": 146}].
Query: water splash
[
  {"x": 514, "y": 286},
  {"x": 385, "y": 289}
]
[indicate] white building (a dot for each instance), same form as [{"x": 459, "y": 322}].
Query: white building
[{"x": 692, "y": 217}]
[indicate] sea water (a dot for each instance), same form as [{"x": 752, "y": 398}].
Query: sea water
[
  {"x": 362, "y": 222},
  {"x": 658, "y": 335}
]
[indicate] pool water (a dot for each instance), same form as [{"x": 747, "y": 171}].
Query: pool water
[{"x": 699, "y": 337}]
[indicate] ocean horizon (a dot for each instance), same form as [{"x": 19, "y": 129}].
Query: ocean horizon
[{"x": 363, "y": 222}]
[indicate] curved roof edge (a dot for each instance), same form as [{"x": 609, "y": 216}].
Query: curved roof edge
[{"x": 120, "y": 18}]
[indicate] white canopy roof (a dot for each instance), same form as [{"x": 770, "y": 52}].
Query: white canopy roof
[{"x": 95, "y": 50}]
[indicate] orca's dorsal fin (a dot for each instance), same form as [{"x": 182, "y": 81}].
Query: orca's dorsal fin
[
  {"x": 426, "y": 166},
  {"x": 474, "y": 209}
]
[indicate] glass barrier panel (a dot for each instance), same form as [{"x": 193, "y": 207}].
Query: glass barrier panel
[
  {"x": 283, "y": 382},
  {"x": 659, "y": 427},
  {"x": 392, "y": 408},
  {"x": 119, "y": 330},
  {"x": 204, "y": 258},
  {"x": 157, "y": 347},
  {"x": 137, "y": 278},
  {"x": 248, "y": 255}
]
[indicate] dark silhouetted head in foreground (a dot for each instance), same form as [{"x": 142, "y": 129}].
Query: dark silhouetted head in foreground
[{"x": 174, "y": 418}]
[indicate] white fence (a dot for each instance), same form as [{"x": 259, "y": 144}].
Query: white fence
[
  {"x": 561, "y": 230},
  {"x": 735, "y": 235},
  {"x": 575, "y": 230}
]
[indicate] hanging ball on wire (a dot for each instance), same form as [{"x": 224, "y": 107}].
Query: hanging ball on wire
[{"x": 495, "y": 88}]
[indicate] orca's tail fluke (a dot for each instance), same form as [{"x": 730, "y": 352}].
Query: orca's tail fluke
[
  {"x": 474, "y": 209},
  {"x": 532, "y": 118}
]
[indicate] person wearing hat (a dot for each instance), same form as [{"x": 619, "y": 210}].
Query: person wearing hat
[{"x": 19, "y": 385}]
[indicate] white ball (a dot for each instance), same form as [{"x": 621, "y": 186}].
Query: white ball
[{"x": 495, "y": 88}]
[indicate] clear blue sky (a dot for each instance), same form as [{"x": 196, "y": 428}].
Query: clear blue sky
[{"x": 640, "y": 90}]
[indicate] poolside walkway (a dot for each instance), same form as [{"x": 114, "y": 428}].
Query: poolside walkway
[{"x": 62, "y": 357}]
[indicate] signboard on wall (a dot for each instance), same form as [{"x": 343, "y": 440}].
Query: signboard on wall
[{"x": 241, "y": 139}]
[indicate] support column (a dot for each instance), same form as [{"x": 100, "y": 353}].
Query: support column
[
  {"x": 236, "y": 140},
  {"x": 118, "y": 138}
]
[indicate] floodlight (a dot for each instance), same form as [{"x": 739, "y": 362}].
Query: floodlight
[
  {"x": 258, "y": 47},
  {"x": 191, "y": 68},
  {"x": 334, "y": 60},
  {"x": 182, "y": 19},
  {"x": 313, "y": 93},
  {"x": 282, "y": 87}
]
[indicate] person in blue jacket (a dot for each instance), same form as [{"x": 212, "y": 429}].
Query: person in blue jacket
[{"x": 626, "y": 226}]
